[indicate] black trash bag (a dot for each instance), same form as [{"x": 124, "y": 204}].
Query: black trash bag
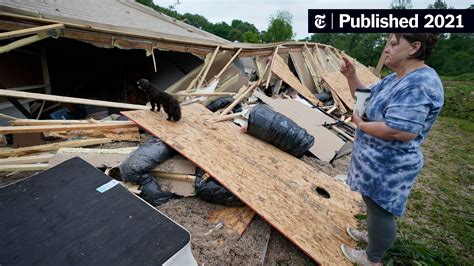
[
  {"x": 328, "y": 102},
  {"x": 323, "y": 96},
  {"x": 211, "y": 191},
  {"x": 137, "y": 168},
  {"x": 152, "y": 193},
  {"x": 222, "y": 103},
  {"x": 278, "y": 130}
]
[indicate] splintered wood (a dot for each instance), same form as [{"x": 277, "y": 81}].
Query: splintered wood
[
  {"x": 235, "y": 219},
  {"x": 338, "y": 84},
  {"x": 277, "y": 186}
]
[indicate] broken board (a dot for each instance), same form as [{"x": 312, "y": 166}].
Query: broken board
[
  {"x": 307, "y": 206},
  {"x": 235, "y": 219},
  {"x": 338, "y": 84},
  {"x": 281, "y": 69}
]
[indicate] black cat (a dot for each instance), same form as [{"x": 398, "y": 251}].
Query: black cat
[{"x": 160, "y": 98}]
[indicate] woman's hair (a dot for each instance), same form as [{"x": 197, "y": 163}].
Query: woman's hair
[{"x": 427, "y": 40}]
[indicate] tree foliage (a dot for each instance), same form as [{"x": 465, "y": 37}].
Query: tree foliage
[
  {"x": 280, "y": 27},
  {"x": 401, "y": 4}
]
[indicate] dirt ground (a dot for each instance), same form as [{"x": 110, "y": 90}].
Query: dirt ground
[{"x": 260, "y": 244}]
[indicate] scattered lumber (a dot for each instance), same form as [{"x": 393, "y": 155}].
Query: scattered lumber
[
  {"x": 34, "y": 122},
  {"x": 46, "y": 128},
  {"x": 283, "y": 72},
  {"x": 52, "y": 147},
  {"x": 42, "y": 158},
  {"x": 23, "y": 167},
  {"x": 115, "y": 134},
  {"x": 63, "y": 99},
  {"x": 235, "y": 219},
  {"x": 34, "y": 30}
]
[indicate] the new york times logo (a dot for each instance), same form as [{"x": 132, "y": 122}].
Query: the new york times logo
[{"x": 388, "y": 20}]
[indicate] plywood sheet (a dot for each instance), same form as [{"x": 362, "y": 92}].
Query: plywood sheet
[
  {"x": 235, "y": 219},
  {"x": 277, "y": 186},
  {"x": 326, "y": 143},
  {"x": 338, "y": 84},
  {"x": 283, "y": 72},
  {"x": 302, "y": 70}
]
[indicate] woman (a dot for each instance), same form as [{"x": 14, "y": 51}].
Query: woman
[{"x": 386, "y": 155}]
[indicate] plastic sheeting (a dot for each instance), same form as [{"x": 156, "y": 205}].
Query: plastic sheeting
[
  {"x": 222, "y": 103},
  {"x": 278, "y": 130}
]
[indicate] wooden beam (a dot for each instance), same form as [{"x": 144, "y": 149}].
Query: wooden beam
[
  {"x": 225, "y": 117},
  {"x": 35, "y": 129},
  {"x": 23, "y": 167},
  {"x": 64, "y": 99},
  {"x": 283, "y": 72},
  {"x": 43, "y": 158},
  {"x": 228, "y": 64},
  {"x": 34, "y": 30},
  {"x": 208, "y": 66},
  {"x": 52, "y": 147},
  {"x": 180, "y": 177},
  {"x": 275, "y": 53},
  {"x": 34, "y": 122},
  {"x": 239, "y": 99},
  {"x": 22, "y": 42},
  {"x": 207, "y": 94}
]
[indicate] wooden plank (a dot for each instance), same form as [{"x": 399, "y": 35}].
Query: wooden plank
[
  {"x": 283, "y": 72},
  {"x": 22, "y": 42},
  {"x": 338, "y": 84},
  {"x": 23, "y": 167},
  {"x": 63, "y": 99},
  {"x": 52, "y": 147},
  {"x": 46, "y": 128},
  {"x": 277, "y": 186},
  {"x": 235, "y": 219},
  {"x": 206, "y": 94},
  {"x": 228, "y": 64},
  {"x": 34, "y": 122},
  {"x": 208, "y": 66},
  {"x": 326, "y": 143},
  {"x": 114, "y": 134},
  {"x": 43, "y": 158},
  {"x": 7, "y": 117},
  {"x": 302, "y": 70},
  {"x": 34, "y": 30},
  {"x": 275, "y": 54}
]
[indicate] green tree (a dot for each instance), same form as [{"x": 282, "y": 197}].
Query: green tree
[
  {"x": 401, "y": 4},
  {"x": 235, "y": 35},
  {"x": 220, "y": 29},
  {"x": 252, "y": 37},
  {"x": 280, "y": 27},
  {"x": 438, "y": 4},
  {"x": 197, "y": 21}
]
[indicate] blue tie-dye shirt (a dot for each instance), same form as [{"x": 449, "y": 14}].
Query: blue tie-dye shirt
[{"x": 385, "y": 170}]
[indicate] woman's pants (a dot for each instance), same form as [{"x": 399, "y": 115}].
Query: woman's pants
[{"x": 382, "y": 230}]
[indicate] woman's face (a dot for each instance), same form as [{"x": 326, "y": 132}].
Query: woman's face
[{"x": 398, "y": 52}]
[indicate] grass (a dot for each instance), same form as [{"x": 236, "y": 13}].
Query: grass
[{"x": 438, "y": 226}]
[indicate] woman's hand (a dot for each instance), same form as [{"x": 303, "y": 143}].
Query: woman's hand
[
  {"x": 356, "y": 119},
  {"x": 347, "y": 68}
]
